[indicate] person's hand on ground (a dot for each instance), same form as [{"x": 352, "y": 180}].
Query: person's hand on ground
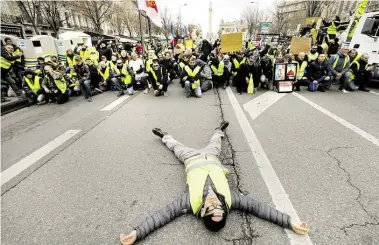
[
  {"x": 300, "y": 228},
  {"x": 128, "y": 239}
]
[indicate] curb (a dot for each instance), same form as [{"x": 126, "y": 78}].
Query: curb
[{"x": 14, "y": 106}]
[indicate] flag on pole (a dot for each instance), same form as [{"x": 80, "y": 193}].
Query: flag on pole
[{"x": 151, "y": 9}]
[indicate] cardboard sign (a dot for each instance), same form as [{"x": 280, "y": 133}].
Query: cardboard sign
[
  {"x": 300, "y": 44},
  {"x": 188, "y": 43},
  {"x": 231, "y": 42}
]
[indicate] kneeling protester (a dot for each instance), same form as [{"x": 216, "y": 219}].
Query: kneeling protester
[
  {"x": 159, "y": 78},
  {"x": 122, "y": 79}
]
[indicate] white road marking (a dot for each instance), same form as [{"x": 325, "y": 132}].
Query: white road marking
[
  {"x": 374, "y": 92},
  {"x": 11, "y": 172},
  {"x": 261, "y": 103},
  {"x": 277, "y": 192},
  {"x": 345, "y": 123},
  {"x": 115, "y": 103}
]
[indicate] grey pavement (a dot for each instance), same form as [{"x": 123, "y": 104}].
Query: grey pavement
[{"x": 115, "y": 173}]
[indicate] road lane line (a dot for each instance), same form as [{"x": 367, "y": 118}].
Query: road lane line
[
  {"x": 115, "y": 103},
  {"x": 11, "y": 172},
  {"x": 279, "y": 196},
  {"x": 258, "y": 105},
  {"x": 374, "y": 92},
  {"x": 345, "y": 123}
]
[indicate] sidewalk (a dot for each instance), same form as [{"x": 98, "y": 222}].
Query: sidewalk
[{"x": 13, "y": 104}]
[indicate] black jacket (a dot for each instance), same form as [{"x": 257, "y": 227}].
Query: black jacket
[
  {"x": 162, "y": 77},
  {"x": 317, "y": 71},
  {"x": 182, "y": 206},
  {"x": 82, "y": 72},
  {"x": 362, "y": 67},
  {"x": 107, "y": 52}
]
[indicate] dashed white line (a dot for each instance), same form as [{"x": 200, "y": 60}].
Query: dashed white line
[
  {"x": 277, "y": 192},
  {"x": 258, "y": 105},
  {"x": 115, "y": 103},
  {"x": 13, "y": 171},
  {"x": 345, "y": 123}
]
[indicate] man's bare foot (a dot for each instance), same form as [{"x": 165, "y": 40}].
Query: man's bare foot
[
  {"x": 128, "y": 239},
  {"x": 301, "y": 229}
]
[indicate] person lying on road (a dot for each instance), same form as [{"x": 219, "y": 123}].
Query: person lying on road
[{"x": 208, "y": 195}]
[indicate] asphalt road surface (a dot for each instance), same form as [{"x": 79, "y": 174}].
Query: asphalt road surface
[{"x": 82, "y": 173}]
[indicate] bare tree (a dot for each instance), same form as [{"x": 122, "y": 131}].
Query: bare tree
[
  {"x": 50, "y": 11},
  {"x": 280, "y": 21},
  {"x": 314, "y": 8},
  {"x": 250, "y": 15},
  {"x": 131, "y": 22},
  {"x": 96, "y": 11},
  {"x": 372, "y": 5},
  {"x": 31, "y": 10},
  {"x": 166, "y": 23}
]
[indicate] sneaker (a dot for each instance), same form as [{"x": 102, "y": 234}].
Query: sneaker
[
  {"x": 158, "y": 132},
  {"x": 364, "y": 89},
  {"x": 165, "y": 94},
  {"x": 223, "y": 126},
  {"x": 321, "y": 89},
  {"x": 344, "y": 91},
  {"x": 89, "y": 99},
  {"x": 98, "y": 90},
  {"x": 146, "y": 91},
  {"x": 120, "y": 94}
]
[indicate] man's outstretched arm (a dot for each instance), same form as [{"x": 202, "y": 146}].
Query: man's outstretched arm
[
  {"x": 175, "y": 209},
  {"x": 264, "y": 211}
]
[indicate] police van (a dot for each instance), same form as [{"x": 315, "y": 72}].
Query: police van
[{"x": 366, "y": 39}]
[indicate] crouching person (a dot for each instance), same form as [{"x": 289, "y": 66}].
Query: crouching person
[
  {"x": 32, "y": 87},
  {"x": 55, "y": 87},
  {"x": 159, "y": 78},
  {"x": 83, "y": 75},
  {"x": 104, "y": 71},
  {"x": 206, "y": 82},
  {"x": 361, "y": 72},
  {"x": 190, "y": 76},
  {"x": 318, "y": 74},
  {"x": 122, "y": 79}
]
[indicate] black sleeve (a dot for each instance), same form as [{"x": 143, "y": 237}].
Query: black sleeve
[
  {"x": 354, "y": 68},
  {"x": 173, "y": 210},
  {"x": 260, "y": 210},
  {"x": 8, "y": 57},
  {"x": 311, "y": 71},
  {"x": 164, "y": 75}
]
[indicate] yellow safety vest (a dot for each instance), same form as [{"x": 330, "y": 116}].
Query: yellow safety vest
[
  {"x": 238, "y": 64},
  {"x": 111, "y": 65},
  {"x": 155, "y": 76},
  {"x": 312, "y": 57},
  {"x": 61, "y": 84},
  {"x": 220, "y": 70},
  {"x": 16, "y": 53},
  {"x": 84, "y": 55},
  {"x": 34, "y": 86},
  {"x": 344, "y": 64},
  {"x": 5, "y": 64},
  {"x": 352, "y": 77},
  {"x": 181, "y": 47},
  {"x": 332, "y": 29},
  {"x": 198, "y": 168},
  {"x": 127, "y": 79},
  {"x": 95, "y": 58},
  {"x": 193, "y": 73},
  {"x": 71, "y": 62},
  {"x": 301, "y": 69},
  {"x": 104, "y": 75},
  {"x": 182, "y": 65},
  {"x": 250, "y": 86},
  {"x": 148, "y": 64}
]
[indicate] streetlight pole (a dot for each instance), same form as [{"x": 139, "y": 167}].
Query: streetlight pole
[{"x": 180, "y": 17}]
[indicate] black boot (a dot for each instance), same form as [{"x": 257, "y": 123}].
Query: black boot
[
  {"x": 321, "y": 89},
  {"x": 363, "y": 89},
  {"x": 158, "y": 132},
  {"x": 223, "y": 126}
]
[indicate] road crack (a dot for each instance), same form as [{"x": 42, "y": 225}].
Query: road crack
[
  {"x": 229, "y": 160},
  {"x": 349, "y": 181}
]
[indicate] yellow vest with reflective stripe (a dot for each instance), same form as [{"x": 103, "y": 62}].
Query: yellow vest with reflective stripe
[
  {"x": 84, "y": 55},
  {"x": 16, "y": 53},
  {"x": 5, "y": 64},
  {"x": 220, "y": 69},
  {"x": 332, "y": 29},
  {"x": 34, "y": 86},
  {"x": 70, "y": 62},
  {"x": 198, "y": 168},
  {"x": 238, "y": 64},
  {"x": 155, "y": 76},
  {"x": 312, "y": 57},
  {"x": 193, "y": 73},
  {"x": 127, "y": 78},
  {"x": 352, "y": 77},
  {"x": 344, "y": 64},
  {"x": 104, "y": 75},
  {"x": 301, "y": 69},
  {"x": 61, "y": 84},
  {"x": 148, "y": 64}
]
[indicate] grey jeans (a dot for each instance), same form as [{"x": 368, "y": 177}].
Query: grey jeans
[{"x": 183, "y": 152}]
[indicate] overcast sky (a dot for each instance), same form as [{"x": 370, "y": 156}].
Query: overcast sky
[{"x": 196, "y": 11}]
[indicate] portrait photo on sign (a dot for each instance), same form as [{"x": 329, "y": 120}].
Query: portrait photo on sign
[
  {"x": 280, "y": 72},
  {"x": 291, "y": 72}
]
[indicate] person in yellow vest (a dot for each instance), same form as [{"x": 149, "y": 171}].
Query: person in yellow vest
[
  {"x": 332, "y": 27},
  {"x": 54, "y": 61},
  {"x": 84, "y": 52},
  {"x": 83, "y": 75},
  {"x": 124, "y": 57},
  {"x": 218, "y": 71},
  {"x": 112, "y": 62},
  {"x": 208, "y": 195},
  {"x": 122, "y": 79},
  {"x": 159, "y": 78},
  {"x": 7, "y": 60},
  {"x": 353, "y": 55},
  {"x": 361, "y": 72},
  {"x": 237, "y": 61},
  {"x": 32, "y": 87},
  {"x": 94, "y": 56},
  {"x": 191, "y": 78},
  {"x": 70, "y": 60},
  {"x": 339, "y": 67},
  {"x": 313, "y": 54},
  {"x": 55, "y": 86},
  {"x": 105, "y": 74},
  {"x": 301, "y": 77},
  {"x": 19, "y": 64}
]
